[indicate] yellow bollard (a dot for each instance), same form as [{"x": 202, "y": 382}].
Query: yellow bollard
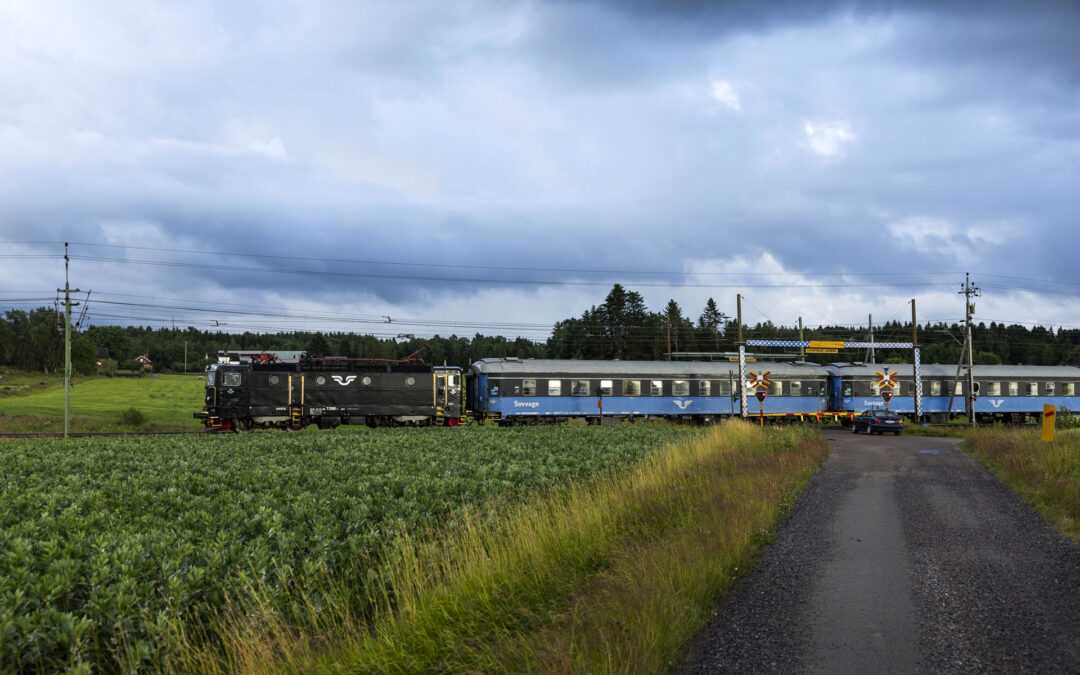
[{"x": 1048, "y": 423}]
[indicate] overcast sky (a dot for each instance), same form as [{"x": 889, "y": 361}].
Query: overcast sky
[{"x": 826, "y": 160}]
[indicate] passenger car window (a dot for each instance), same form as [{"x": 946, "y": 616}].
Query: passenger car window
[
  {"x": 631, "y": 388},
  {"x": 993, "y": 388},
  {"x": 656, "y": 387},
  {"x": 723, "y": 388},
  {"x": 554, "y": 387},
  {"x": 1068, "y": 389},
  {"x": 579, "y": 387},
  {"x": 606, "y": 388},
  {"x": 776, "y": 388},
  {"x": 796, "y": 388},
  {"x": 1014, "y": 389},
  {"x": 704, "y": 388},
  {"x": 1033, "y": 388},
  {"x": 528, "y": 387},
  {"x": 1049, "y": 388},
  {"x": 935, "y": 388},
  {"x": 680, "y": 387}
]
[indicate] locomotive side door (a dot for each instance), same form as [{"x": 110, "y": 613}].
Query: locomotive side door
[{"x": 232, "y": 393}]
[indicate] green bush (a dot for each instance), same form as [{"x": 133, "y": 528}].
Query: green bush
[{"x": 132, "y": 417}]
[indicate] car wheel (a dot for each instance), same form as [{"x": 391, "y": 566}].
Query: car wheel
[
  {"x": 869, "y": 431},
  {"x": 854, "y": 429}
]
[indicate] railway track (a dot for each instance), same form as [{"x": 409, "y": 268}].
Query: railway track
[{"x": 89, "y": 434}]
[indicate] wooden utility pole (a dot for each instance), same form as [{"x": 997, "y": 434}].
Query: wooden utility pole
[
  {"x": 802, "y": 350},
  {"x": 870, "y": 357},
  {"x": 669, "y": 336},
  {"x": 738, "y": 307}
]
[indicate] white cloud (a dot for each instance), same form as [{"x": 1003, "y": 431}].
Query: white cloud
[
  {"x": 723, "y": 92},
  {"x": 932, "y": 235},
  {"x": 828, "y": 138}
]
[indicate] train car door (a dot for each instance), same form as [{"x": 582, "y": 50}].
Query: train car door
[{"x": 448, "y": 393}]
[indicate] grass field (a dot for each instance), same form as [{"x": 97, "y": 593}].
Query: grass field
[
  {"x": 34, "y": 403},
  {"x": 1045, "y": 475}
]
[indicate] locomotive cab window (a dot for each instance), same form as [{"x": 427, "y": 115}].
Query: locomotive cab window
[
  {"x": 528, "y": 387},
  {"x": 210, "y": 377},
  {"x": 230, "y": 379},
  {"x": 631, "y": 388},
  {"x": 554, "y": 387}
]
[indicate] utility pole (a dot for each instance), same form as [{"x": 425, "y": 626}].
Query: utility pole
[
  {"x": 916, "y": 392},
  {"x": 738, "y": 307},
  {"x": 669, "y": 337},
  {"x": 969, "y": 291},
  {"x": 67, "y": 344},
  {"x": 802, "y": 350},
  {"x": 870, "y": 351}
]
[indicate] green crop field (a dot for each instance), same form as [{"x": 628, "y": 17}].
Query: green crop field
[
  {"x": 115, "y": 548},
  {"x": 167, "y": 402}
]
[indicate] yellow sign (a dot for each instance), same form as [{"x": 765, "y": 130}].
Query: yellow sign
[
  {"x": 826, "y": 344},
  {"x": 818, "y": 350},
  {"x": 1048, "y": 423},
  {"x": 749, "y": 359}
]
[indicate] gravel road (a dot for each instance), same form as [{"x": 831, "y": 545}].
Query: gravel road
[{"x": 902, "y": 556}]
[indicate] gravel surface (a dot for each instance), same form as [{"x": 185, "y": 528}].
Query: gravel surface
[{"x": 977, "y": 583}]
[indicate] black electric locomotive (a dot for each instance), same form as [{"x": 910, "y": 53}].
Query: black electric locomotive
[{"x": 330, "y": 392}]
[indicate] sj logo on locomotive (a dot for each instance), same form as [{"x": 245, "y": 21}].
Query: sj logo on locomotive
[{"x": 344, "y": 380}]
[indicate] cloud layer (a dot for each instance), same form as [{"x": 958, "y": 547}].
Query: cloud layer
[{"x": 544, "y": 151}]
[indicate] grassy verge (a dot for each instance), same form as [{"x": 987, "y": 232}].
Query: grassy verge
[
  {"x": 1045, "y": 475},
  {"x": 613, "y": 574},
  {"x": 166, "y": 403}
]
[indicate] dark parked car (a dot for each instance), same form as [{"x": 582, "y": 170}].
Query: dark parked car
[{"x": 877, "y": 421}]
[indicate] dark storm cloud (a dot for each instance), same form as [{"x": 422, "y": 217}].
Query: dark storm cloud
[{"x": 595, "y": 136}]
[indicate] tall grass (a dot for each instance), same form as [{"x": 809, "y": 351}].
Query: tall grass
[
  {"x": 1045, "y": 475},
  {"x": 613, "y": 574}
]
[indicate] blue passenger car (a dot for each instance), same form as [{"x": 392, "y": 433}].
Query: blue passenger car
[
  {"x": 533, "y": 391},
  {"x": 1004, "y": 393}
]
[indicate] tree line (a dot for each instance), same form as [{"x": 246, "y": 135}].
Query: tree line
[{"x": 621, "y": 327}]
